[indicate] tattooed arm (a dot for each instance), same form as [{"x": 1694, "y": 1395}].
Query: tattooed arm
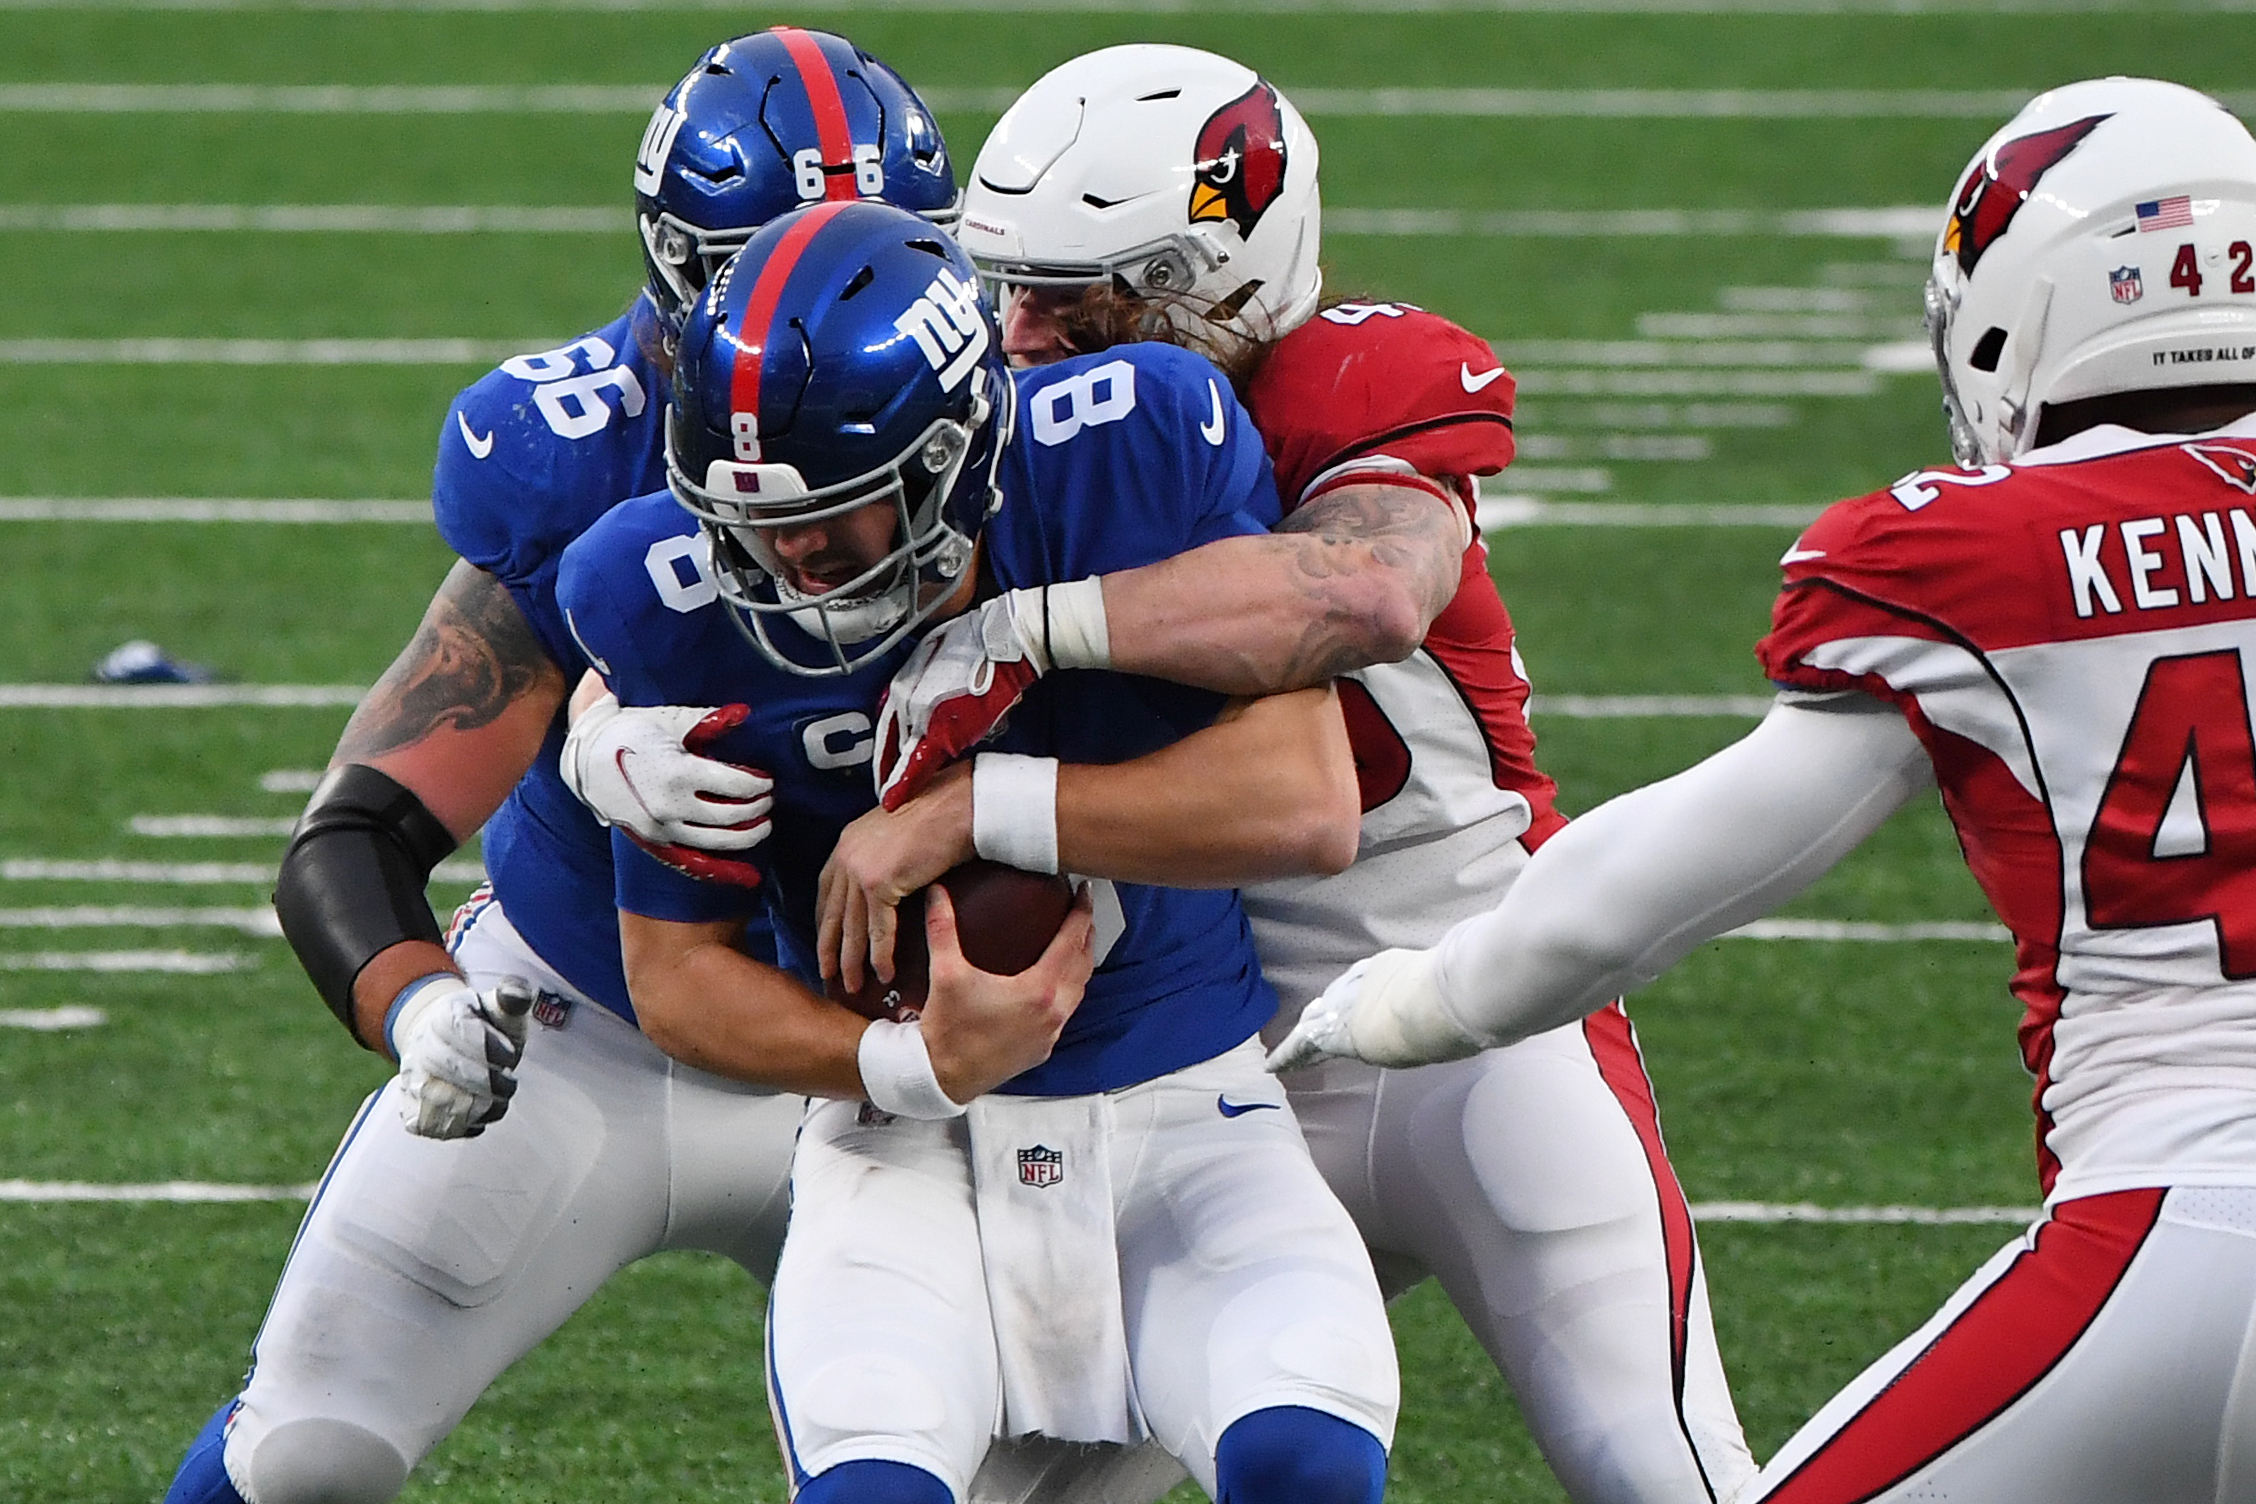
[
  {"x": 1353, "y": 578},
  {"x": 457, "y": 719}
]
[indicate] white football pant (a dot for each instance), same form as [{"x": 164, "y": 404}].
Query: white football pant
[
  {"x": 2105, "y": 1356},
  {"x": 426, "y": 1267},
  {"x": 1532, "y": 1183},
  {"x": 1242, "y": 1282}
]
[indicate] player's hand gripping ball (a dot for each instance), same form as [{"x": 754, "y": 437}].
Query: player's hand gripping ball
[{"x": 1005, "y": 918}]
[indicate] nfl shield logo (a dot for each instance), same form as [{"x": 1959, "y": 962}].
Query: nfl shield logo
[
  {"x": 550, "y": 1010},
  {"x": 1039, "y": 1166},
  {"x": 2124, "y": 285}
]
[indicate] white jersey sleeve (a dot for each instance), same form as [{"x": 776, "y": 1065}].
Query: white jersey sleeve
[{"x": 1624, "y": 892}]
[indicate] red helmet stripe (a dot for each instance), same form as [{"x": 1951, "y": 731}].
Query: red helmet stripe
[
  {"x": 760, "y": 307},
  {"x": 830, "y": 111}
]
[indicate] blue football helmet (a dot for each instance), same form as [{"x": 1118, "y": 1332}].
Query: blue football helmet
[
  {"x": 844, "y": 358},
  {"x": 763, "y": 125}
]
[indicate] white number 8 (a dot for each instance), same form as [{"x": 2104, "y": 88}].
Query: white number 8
[{"x": 1062, "y": 409}]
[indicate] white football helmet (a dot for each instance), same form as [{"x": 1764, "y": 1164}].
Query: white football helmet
[
  {"x": 1166, "y": 172},
  {"x": 2100, "y": 242}
]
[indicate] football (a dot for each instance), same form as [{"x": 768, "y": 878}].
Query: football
[{"x": 1005, "y": 918}]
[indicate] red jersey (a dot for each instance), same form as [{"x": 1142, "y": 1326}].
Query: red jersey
[
  {"x": 1452, "y": 798},
  {"x": 2072, "y": 639}
]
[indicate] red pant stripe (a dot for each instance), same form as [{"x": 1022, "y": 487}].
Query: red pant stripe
[
  {"x": 1997, "y": 1349},
  {"x": 1613, "y": 1044}
]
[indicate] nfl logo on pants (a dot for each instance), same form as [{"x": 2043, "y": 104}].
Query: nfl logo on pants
[{"x": 1040, "y": 1166}]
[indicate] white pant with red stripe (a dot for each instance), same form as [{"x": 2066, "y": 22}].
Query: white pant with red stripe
[
  {"x": 1533, "y": 1184},
  {"x": 2107, "y": 1355}
]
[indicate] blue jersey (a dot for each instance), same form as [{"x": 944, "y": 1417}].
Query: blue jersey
[
  {"x": 531, "y": 455},
  {"x": 1120, "y": 459}
]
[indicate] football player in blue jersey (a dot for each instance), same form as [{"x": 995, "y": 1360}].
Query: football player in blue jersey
[
  {"x": 424, "y": 1267},
  {"x": 1006, "y": 1219}
]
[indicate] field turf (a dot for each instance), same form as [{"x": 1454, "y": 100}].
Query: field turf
[{"x": 1842, "y": 1074}]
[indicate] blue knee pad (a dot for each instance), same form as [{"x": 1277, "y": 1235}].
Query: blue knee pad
[
  {"x": 1289, "y": 1454},
  {"x": 202, "y": 1478},
  {"x": 873, "y": 1483}
]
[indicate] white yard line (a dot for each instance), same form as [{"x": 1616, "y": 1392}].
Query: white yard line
[
  {"x": 168, "y": 1190},
  {"x": 170, "y": 509},
  {"x": 191, "y": 874},
  {"x": 1698, "y": 383},
  {"x": 176, "y": 696},
  {"x": 1803, "y": 1211},
  {"x": 264, "y": 352},
  {"x": 1503, "y": 511},
  {"x": 52, "y": 1020},
  {"x": 259, "y": 923},
  {"x": 320, "y": 219},
  {"x": 180, "y": 961},
  {"x": 217, "y": 827},
  {"x": 1416, "y": 102},
  {"x": 1624, "y": 707}
]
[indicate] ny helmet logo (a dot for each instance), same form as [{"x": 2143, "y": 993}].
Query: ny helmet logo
[
  {"x": 666, "y": 123},
  {"x": 1041, "y": 1166},
  {"x": 948, "y": 326}
]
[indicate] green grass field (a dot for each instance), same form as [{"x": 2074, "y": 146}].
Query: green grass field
[{"x": 1841, "y": 1074}]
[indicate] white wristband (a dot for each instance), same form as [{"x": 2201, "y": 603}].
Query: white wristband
[
  {"x": 1073, "y": 621},
  {"x": 897, "y": 1072},
  {"x": 1014, "y": 810}
]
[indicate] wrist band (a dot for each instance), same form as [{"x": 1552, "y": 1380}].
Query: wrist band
[
  {"x": 1014, "y": 810},
  {"x": 572, "y": 764},
  {"x": 897, "y": 1072},
  {"x": 1073, "y": 621},
  {"x": 400, "y": 1000}
]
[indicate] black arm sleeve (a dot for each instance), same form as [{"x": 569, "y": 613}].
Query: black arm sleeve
[{"x": 352, "y": 881}]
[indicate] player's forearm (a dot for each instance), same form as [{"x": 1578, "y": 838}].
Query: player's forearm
[
  {"x": 1268, "y": 791},
  {"x": 382, "y": 978},
  {"x": 1629, "y": 889},
  {"x": 1354, "y": 578},
  {"x": 710, "y": 1006}
]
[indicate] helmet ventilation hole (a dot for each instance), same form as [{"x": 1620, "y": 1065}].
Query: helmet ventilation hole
[
  {"x": 862, "y": 279},
  {"x": 1162, "y": 94},
  {"x": 1987, "y": 349}
]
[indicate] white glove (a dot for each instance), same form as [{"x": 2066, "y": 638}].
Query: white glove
[
  {"x": 642, "y": 769},
  {"x": 954, "y": 691},
  {"x": 1384, "y": 1009},
  {"x": 458, "y": 1050}
]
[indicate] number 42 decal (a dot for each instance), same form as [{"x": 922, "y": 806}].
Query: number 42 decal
[{"x": 2185, "y": 271}]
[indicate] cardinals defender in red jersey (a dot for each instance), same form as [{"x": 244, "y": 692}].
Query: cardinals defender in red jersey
[
  {"x": 2058, "y": 632},
  {"x": 1532, "y": 1183}
]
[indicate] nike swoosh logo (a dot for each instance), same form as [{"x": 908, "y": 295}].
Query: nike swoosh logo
[
  {"x": 1475, "y": 383},
  {"x": 479, "y": 447},
  {"x": 1230, "y": 1109},
  {"x": 1797, "y": 555},
  {"x": 1212, "y": 429}
]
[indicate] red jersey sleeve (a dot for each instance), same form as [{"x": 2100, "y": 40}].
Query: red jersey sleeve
[{"x": 1382, "y": 379}]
